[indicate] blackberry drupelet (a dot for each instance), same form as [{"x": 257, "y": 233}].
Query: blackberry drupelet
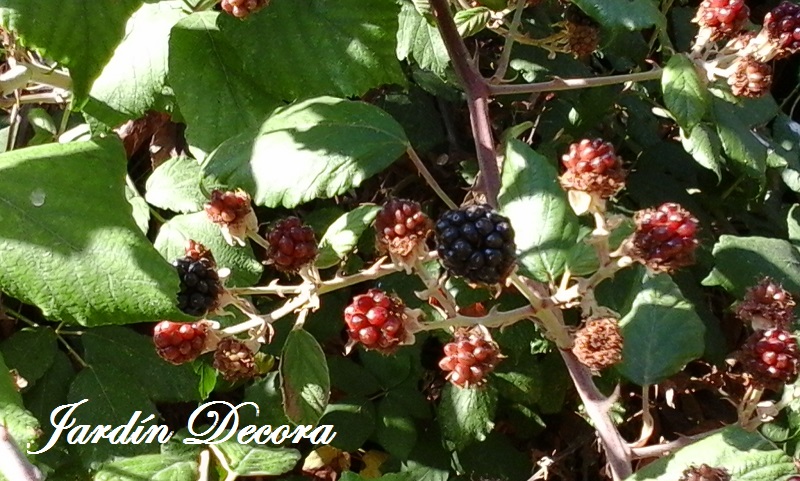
[{"x": 200, "y": 286}]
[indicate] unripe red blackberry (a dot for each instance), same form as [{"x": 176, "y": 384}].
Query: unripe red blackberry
[
  {"x": 783, "y": 27},
  {"x": 767, "y": 305},
  {"x": 665, "y": 237},
  {"x": 724, "y": 18},
  {"x": 593, "y": 167},
  {"x": 477, "y": 243},
  {"x": 233, "y": 213},
  {"x": 770, "y": 357},
  {"x": 292, "y": 245},
  {"x": 402, "y": 228},
  {"x": 200, "y": 288},
  {"x": 470, "y": 358},
  {"x": 598, "y": 344},
  {"x": 705, "y": 472},
  {"x": 751, "y": 79},
  {"x": 376, "y": 320},
  {"x": 179, "y": 342},
  {"x": 243, "y": 8},
  {"x": 234, "y": 360}
]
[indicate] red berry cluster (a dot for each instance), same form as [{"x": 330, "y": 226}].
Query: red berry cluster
[
  {"x": 227, "y": 207},
  {"x": 771, "y": 357},
  {"x": 243, "y": 8},
  {"x": 178, "y": 342},
  {"x": 291, "y": 244},
  {"x": 376, "y": 320},
  {"x": 751, "y": 79},
  {"x": 593, "y": 167},
  {"x": 469, "y": 358},
  {"x": 767, "y": 305},
  {"x": 783, "y": 26},
  {"x": 665, "y": 237},
  {"x": 723, "y": 17},
  {"x": 402, "y": 227}
]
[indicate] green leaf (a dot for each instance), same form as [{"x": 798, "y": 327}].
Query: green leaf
[
  {"x": 74, "y": 33},
  {"x": 135, "y": 79},
  {"x": 793, "y": 222},
  {"x": 305, "y": 381},
  {"x": 342, "y": 236},
  {"x": 420, "y": 41},
  {"x": 51, "y": 390},
  {"x": 661, "y": 333},
  {"x": 140, "y": 209},
  {"x": 353, "y": 420},
  {"x": 113, "y": 398},
  {"x": 205, "y": 59},
  {"x": 748, "y": 154},
  {"x": 346, "y": 46},
  {"x": 173, "y": 236},
  {"x": 351, "y": 378},
  {"x": 746, "y": 456},
  {"x": 22, "y": 426},
  {"x": 151, "y": 467},
  {"x": 175, "y": 186},
  {"x": 245, "y": 460},
  {"x": 740, "y": 261},
  {"x": 395, "y": 430},
  {"x": 65, "y": 212},
  {"x": 320, "y": 147},
  {"x": 466, "y": 415},
  {"x": 30, "y": 351},
  {"x": 266, "y": 392},
  {"x": 125, "y": 350},
  {"x": 704, "y": 145},
  {"x": 544, "y": 224},
  {"x": 624, "y": 14},
  {"x": 685, "y": 95},
  {"x": 472, "y": 21}
]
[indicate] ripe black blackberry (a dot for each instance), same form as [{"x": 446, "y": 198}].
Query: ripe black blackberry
[
  {"x": 200, "y": 285},
  {"x": 477, "y": 243}
]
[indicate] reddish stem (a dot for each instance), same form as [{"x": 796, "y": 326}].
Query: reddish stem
[{"x": 477, "y": 92}]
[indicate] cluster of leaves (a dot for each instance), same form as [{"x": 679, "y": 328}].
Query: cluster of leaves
[{"x": 311, "y": 106}]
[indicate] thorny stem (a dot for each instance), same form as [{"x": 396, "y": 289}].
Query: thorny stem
[
  {"x": 426, "y": 174},
  {"x": 442, "y": 296},
  {"x": 672, "y": 446},
  {"x": 618, "y": 454},
  {"x": 477, "y": 92},
  {"x": 22, "y": 74},
  {"x": 552, "y": 323},
  {"x": 258, "y": 322},
  {"x": 493, "y": 319},
  {"x": 572, "y": 84},
  {"x": 505, "y": 57},
  {"x": 379, "y": 269},
  {"x": 15, "y": 466}
]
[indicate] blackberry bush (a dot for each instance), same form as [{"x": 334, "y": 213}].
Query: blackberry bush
[
  {"x": 665, "y": 237},
  {"x": 477, "y": 243},
  {"x": 291, "y": 245},
  {"x": 200, "y": 289},
  {"x": 770, "y": 357},
  {"x": 178, "y": 342},
  {"x": 469, "y": 358},
  {"x": 781, "y": 23},
  {"x": 376, "y": 320}
]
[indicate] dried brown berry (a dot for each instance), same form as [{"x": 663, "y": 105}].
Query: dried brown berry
[
  {"x": 770, "y": 357},
  {"x": 593, "y": 167},
  {"x": 234, "y": 360},
  {"x": 598, "y": 344},
  {"x": 783, "y": 27},
  {"x": 402, "y": 228},
  {"x": 292, "y": 244},
  {"x": 243, "y": 8},
  {"x": 376, "y": 320},
  {"x": 179, "y": 342},
  {"x": 751, "y": 79},
  {"x": 470, "y": 358},
  {"x": 705, "y": 472},
  {"x": 665, "y": 237},
  {"x": 767, "y": 305},
  {"x": 724, "y": 18},
  {"x": 583, "y": 33}
]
